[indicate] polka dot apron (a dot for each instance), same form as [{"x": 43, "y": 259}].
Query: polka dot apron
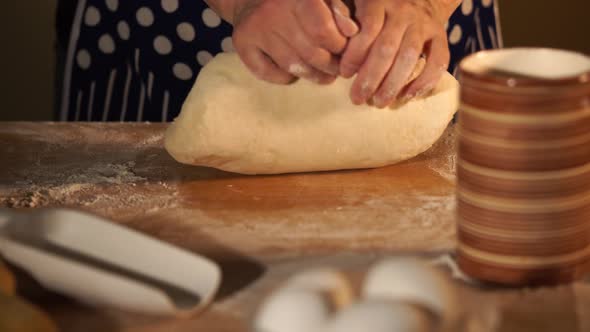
[{"x": 137, "y": 60}]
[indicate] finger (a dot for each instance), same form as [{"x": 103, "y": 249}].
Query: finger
[
  {"x": 263, "y": 67},
  {"x": 313, "y": 55},
  {"x": 287, "y": 59},
  {"x": 371, "y": 19},
  {"x": 405, "y": 61},
  {"x": 344, "y": 22},
  {"x": 437, "y": 55},
  {"x": 316, "y": 20},
  {"x": 378, "y": 62}
]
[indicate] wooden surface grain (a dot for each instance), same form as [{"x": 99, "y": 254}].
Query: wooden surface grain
[{"x": 260, "y": 229}]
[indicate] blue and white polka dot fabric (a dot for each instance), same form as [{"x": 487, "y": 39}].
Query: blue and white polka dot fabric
[
  {"x": 137, "y": 60},
  {"x": 473, "y": 27}
]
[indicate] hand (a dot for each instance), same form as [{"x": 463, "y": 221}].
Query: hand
[
  {"x": 393, "y": 36},
  {"x": 281, "y": 40}
]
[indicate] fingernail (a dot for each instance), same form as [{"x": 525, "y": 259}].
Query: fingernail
[
  {"x": 315, "y": 79},
  {"x": 365, "y": 89},
  {"x": 383, "y": 99},
  {"x": 346, "y": 74},
  {"x": 348, "y": 25},
  {"x": 424, "y": 91},
  {"x": 334, "y": 71},
  {"x": 376, "y": 101},
  {"x": 355, "y": 98},
  {"x": 338, "y": 12},
  {"x": 347, "y": 71},
  {"x": 408, "y": 97}
]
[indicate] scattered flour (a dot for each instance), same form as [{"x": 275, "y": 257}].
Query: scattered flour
[
  {"x": 103, "y": 185},
  {"x": 446, "y": 156}
]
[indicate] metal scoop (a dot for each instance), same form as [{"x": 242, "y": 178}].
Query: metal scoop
[{"x": 104, "y": 264}]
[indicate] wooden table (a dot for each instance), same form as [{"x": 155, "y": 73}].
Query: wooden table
[{"x": 260, "y": 229}]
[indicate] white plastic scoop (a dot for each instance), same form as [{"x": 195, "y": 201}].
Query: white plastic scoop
[{"x": 101, "y": 263}]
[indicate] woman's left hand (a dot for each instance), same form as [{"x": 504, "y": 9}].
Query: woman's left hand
[{"x": 393, "y": 35}]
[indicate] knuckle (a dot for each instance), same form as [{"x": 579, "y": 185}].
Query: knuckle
[
  {"x": 298, "y": 69},
  {"x": 364, "y": 40},
  {"x": 369, "y": 24},
  {"x": 312, "y": 55},
  {"x": 261, "y": 72},
  {"x": 239, "y": 41},
  {"x": 410, "y": 53},
  {"x": 351, "y": 63},
  {"x": 371, "y": 28},
  {"x": 305, "y": 5},
  {"x": 386, "y": 51},
  {"x": 386, "y": 48},
  {"x": 268, "y": 7},
  {"x": 321, "y": 33},
  {"x": 405, "y": 6}
]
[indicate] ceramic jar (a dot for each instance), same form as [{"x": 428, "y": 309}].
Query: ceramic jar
[{"x": 523, "y": 171}]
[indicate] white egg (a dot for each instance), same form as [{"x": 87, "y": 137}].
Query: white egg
[
  {"x": 332, "y": 283},
  {"x": 379, "y": 316},
  {"x": 304, "y": 303},
  {"x": 292, "y": 310},
  {"x": 411, "y": 280}
]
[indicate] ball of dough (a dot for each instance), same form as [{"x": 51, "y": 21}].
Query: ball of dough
[
  {"x": 413, "y": 281},
  {"x": 305, "y": 302},
  {"x": 379, "y": 316},
  {"x": 235, "y": 122}
]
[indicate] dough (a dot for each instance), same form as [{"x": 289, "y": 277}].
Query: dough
[{"x": 237, "y": 123}]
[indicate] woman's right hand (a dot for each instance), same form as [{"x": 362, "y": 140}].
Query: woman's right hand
[{"x": 282, "y": 40}]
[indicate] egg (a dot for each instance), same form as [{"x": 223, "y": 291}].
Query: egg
[
  {"x": 292, "y": 310},
  {"x": 379, "y": 316},
  {"x": 331, "y": 283},
  {"x": 412, "y": 281},
  {"x": 304, "y": 303}
]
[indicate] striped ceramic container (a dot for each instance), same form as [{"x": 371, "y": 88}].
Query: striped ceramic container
[{"x": 524, "y": 166}]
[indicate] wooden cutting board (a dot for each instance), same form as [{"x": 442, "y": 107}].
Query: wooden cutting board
[
  {"x": 122, "y": 172},
  {"x": 260, "y": 229}
]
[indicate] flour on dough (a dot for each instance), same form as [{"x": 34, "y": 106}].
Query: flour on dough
[{"x": 237, "y": 123}]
